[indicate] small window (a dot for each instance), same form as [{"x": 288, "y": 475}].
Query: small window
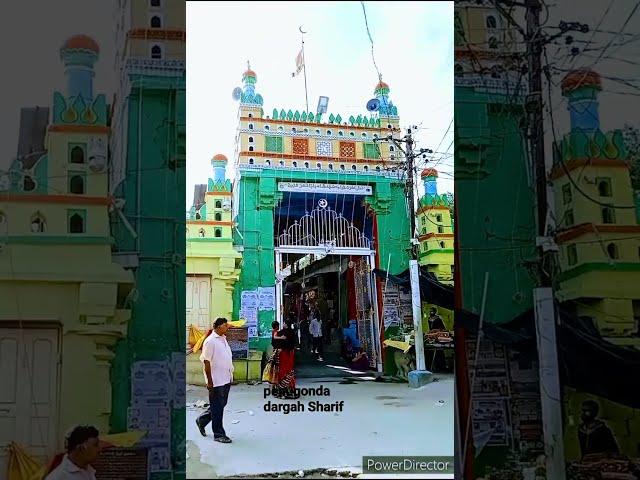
[
  {"x": 156, "y": 22},
  {"x": 251, "y": 115},
  {"x": 267, "y": 162},
  {"x": 566, "y": 193},
  {"x": 342, "y": 167},
  {"x": 293, "y": 130},
  {"x": 572, "y": 255},
  {"x": 392, "y": 148},
  {"x": 439, "y": 217},
  {"x": 389, "y": 126},
  {"x": 365, "y": 168},
  {"x": 250, "y": 139},
  {"x": 201, "y": 232},
  {"x": 331, "y": 166},
  {"x": 218, "y": 204},
  {"x": 364, "y": 134},
  {"x": 493, "y": 43},
  {"x": 378, "y": 169},
  {"x": 306, "y": 164},
  {"x": 295, "y": 164},
  {"x": 251, "y": 126},
  {"x": 218, "y": 232},
  {"x": 424, "y": 220},
  {"x": 491, "y": 22},
  {"x": 353, "y": 134},
  {"x": 375, "y": 135},
  {"x": 266, "y": 127},
  {"x": 251, "y": 148},
  {"x": 156, "y": 52},
  {"x": 251, "y": 161},
  {"x": 608, "y": 215},
  {"x": 604, "y": 187},
  {"x": 198, "y": 216},
  {"x": 38, "y": 224},
  {"x": 76, "y": 185},
  {"x": 569, "y": 218},
  {"x": 77, "y": 154},
  {"x": 392, "y": 156},
  {"x": 319, "y": 165},
  {"x": 306, "y": 130},
  {"x": 218, "y": 217},
  {"x": 155, "y": 3},
  {"x": 612, "y": 251},
  {"x": 328, "y": 132},
  {"x": 28, "y": 184},
  {"x": 76, "y": 222},
  {"x": 317, "y": 132},
  {"x": 281, "y": 163},
  {"x": 424, "y": 231},
  {"x": 340, "y": 133},
  {"x": 354, "y": 168},
  {"x": 440, "y": 229},
  {"x": 281, "y": 128},
  {"x": 442, "y": 245}
]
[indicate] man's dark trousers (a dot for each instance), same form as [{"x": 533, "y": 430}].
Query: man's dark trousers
[{"x": 218, "y": 397}]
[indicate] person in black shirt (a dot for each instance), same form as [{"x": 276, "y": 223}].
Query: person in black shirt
[{"x": 594, "y": 436}]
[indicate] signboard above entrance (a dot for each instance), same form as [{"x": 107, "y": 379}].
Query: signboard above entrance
[{"x": 325, "y": 188}]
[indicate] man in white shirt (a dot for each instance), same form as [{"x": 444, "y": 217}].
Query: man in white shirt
[
  {"x": 83, "y": 448},
  {"x": 217, "y": 365},
  {"x": 315, "y": 329}
]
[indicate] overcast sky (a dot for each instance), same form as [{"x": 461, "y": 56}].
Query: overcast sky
[{"x": 413, "y": 48}]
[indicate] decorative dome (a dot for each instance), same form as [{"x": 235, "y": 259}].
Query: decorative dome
[
  {"x": 249, "y": 73},
  {"x": 219, "y": 158},
  {"x": 81, "y": 42},
  {"x": 429, "y": 172},
  {"x": 380, "y": 86},
  {"x": 581, "y": 78}
]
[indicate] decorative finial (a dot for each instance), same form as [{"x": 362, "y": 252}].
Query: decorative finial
[{"x": 248, "y": 65}]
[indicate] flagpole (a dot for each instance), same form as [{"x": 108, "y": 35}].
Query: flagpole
[{"x": 304, "y": 67}]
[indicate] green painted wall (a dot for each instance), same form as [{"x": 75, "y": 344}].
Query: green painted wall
[
  {"x": 157, "y": 325},
  {"x": 497, "y": 234},
  {"x": 258, "y": 197}
]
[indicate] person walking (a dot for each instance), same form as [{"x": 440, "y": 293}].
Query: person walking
[
  {"x": 217, "y": 365},
  {"x": 315, "y": 329}
]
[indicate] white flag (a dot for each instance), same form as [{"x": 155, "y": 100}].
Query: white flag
[{"x": 299, "y": 64}]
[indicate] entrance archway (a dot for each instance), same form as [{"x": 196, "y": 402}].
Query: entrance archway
[{"x": 324, "y": 232}]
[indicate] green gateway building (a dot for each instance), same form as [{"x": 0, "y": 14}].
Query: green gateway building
[
  {"x": 318, "y": 204},
  {"x": 147, "y": 174}
]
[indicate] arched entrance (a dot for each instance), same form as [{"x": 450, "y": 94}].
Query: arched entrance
[{"x": 322, "y": 233}]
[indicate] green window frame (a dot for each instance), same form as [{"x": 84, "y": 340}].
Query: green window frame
[
  {"x": 371, "y": 151},
  {"x": 274, "y": 144},
  {"x": 73, "y": 227}
]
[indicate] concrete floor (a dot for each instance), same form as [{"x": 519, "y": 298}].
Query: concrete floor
[{"x": 378, "y": 419}]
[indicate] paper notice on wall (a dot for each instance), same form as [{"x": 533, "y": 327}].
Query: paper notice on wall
[
  {"x": 252, "y": 332},
  {"x": 390, "y": 316},
  {"x": 151, "y": 379},
  {"x": 148, "y": 418},
  {"x": 179, "y": 374},
  {"x": 159, "y": 460},
  {"x": 249, "y": 299},
  {"x": 267, "y": 298},
  {"x": 249, "y": 315}
]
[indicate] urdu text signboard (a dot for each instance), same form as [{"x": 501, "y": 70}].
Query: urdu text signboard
[{"x": 335, "y": 188}]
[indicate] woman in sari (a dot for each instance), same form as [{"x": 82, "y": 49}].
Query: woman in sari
[
  {"x": 270, "y": 373},
  {"x": 286, "y": 385}
]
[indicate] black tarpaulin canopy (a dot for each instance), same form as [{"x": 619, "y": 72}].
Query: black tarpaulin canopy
[{"x": 587, "y": 361}]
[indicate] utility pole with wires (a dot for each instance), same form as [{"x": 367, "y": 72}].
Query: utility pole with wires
[
  {"x": 543, "y": 296},
  {"x": 410, "y": 156}
]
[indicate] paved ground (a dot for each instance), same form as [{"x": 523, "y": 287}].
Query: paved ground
[{"x": 378, "y": 419}]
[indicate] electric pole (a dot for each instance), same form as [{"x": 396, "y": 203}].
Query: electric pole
[
  {"x": 410, "y": 156},
  {"x": 543, "y": 296}
]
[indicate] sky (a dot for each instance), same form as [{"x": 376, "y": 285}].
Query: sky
[
  {"x": 413, "y": 48},
  {"x": 34, "y": 72}
]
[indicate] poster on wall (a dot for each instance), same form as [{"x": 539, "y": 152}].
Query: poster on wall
[
  {"x": 249, "y": 299},
  {"x": 267, "y": 298},
  {"x": 249, "y": 315},
  {"x": 390, "y": 316},
  {"x": 119, "y": 463}
]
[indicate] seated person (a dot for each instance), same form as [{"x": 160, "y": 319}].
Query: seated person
[
  {"x": 360, "y": 361},
  {"x": 347, "y": 350}
]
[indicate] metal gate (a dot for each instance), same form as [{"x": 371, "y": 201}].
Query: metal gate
[{"x": 326, "y": 232}]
